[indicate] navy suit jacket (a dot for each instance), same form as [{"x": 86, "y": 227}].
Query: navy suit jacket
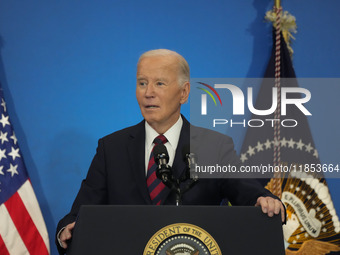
[{"x": 117, "y": 174}]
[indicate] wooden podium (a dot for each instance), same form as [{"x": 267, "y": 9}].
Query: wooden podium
[{"x": 198, "y": 230}]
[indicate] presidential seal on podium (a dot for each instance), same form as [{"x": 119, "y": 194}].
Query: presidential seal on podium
[{"x": 182, "y": 239}]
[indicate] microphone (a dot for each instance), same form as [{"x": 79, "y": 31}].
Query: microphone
[
  {"x": 164, "y": 171},
  {"x": 190, "y": 176},
  {"x": 161, "y": 157},
  {"x": 191, "y": 162}
]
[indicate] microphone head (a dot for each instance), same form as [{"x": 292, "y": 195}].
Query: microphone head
[
  {"x": 188, "y": 157},
  {"x": 160, "y": 153}
]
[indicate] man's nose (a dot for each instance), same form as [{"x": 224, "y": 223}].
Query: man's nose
[{"x": 150, "y": 90}]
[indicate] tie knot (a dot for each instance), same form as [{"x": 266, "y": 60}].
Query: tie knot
[{"x": 160, "y": 139}]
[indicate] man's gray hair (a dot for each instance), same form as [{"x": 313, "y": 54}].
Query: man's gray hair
[{"x": 184, "y": 70}]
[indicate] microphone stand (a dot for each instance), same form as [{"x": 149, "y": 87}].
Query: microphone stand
[
  {"x": 164, "y": 172},
  {"x": 190, "y": 173},
  {"x": 174, "y": 184}
]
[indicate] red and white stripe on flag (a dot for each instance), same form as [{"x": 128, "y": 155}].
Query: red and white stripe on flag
[{"x": 22, "y": 227}]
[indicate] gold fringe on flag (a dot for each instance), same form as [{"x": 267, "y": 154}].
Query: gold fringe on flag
[{"x": 288, "y": 26}]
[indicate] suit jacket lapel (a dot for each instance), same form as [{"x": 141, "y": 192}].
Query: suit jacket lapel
[
  {"x": 136, "y": 150},
  {"x": 179, "y": 166}
]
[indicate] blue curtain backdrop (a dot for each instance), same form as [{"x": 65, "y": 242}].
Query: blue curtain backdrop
[{"x": 68, "y": 72}]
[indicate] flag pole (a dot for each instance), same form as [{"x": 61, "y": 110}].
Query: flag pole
[
  {"x": 277, "y": 184},
  {"x": 277, "y": 4}
]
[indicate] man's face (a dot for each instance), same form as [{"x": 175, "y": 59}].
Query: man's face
[{"x": 158, "y": 93}]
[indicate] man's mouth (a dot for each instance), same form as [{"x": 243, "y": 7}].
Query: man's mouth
[{"x": 152, "y": 106}]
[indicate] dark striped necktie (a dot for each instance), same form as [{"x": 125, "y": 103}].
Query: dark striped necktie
[{"x": 155, "y": 185}]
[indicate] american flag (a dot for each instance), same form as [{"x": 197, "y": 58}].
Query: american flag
[
  {"x": 22, "y": 227},
  {"x": 312, "y": 226}
]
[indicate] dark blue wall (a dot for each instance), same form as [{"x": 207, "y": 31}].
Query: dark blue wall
[{"x": 68, "y": 72}]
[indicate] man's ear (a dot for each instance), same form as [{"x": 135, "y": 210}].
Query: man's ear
[{"x": 185, "y": 92}]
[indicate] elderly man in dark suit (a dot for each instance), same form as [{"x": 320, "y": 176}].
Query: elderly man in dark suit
[{"x": 122, "y": 171}]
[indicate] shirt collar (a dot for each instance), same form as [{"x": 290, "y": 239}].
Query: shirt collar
[{"x": 172, "y": 134}]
